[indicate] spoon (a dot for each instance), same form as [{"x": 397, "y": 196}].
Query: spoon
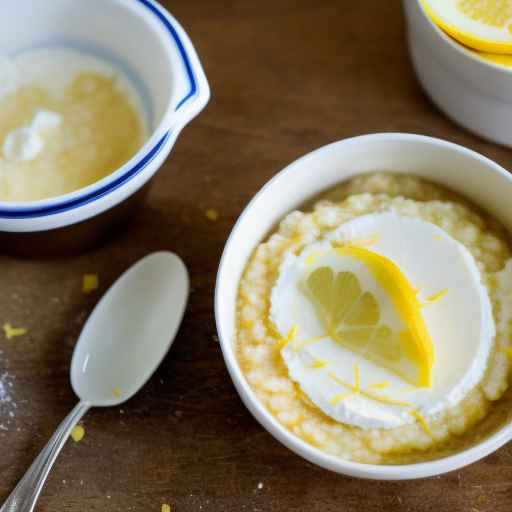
[{"x": 121, "y": 345}]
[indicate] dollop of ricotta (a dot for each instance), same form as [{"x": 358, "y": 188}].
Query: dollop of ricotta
[
  {"x": 457, "y": 312},
  {"x": 26, "y": 142}
]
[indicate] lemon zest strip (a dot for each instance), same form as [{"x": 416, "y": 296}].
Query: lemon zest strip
[
  {"x": 78, "y": 433},
  {"x": 435, "y": 297},
  {"x": 368, "y": 394},
  {"x": 319, "y": 363},
  {"x": 90, "y": 282},
  {"x": 212, "y": 214},
  {"x": 292, "y": 333},
  {"x": 13, "y": 332},
  {"x": 299, "y": 345},
  {"x": 380, "y": 385},
  {"x": 421, "y": 420},
  {"x": 357, "y": 378},
  {"x": 341, "y": 397}
]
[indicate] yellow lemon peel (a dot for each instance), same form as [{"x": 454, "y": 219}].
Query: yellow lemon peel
[
  {"x": 78, "y": 433},
  {"x": 13, "y": 332},
  {"x": 351, "y": 316},
  {"x": 341, "y": 397},
  {"x": 90, "y": 282},
  {"x": 435, "y": 297},
  {"x": 166, "y": 508},
  {"x": 319, "y": 363},
  {"x": 212, "y": 214},
  {"x": 380, "y": 385},
  {"x": 356, "y": 390},
  {"x": 357, "y": 378},
  {"x": 421, "y": 420},
  {"x": 484, "y": 25},
  {"x": 292, "y": 333}
]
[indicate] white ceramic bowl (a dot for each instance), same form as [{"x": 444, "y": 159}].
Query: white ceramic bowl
[
  {"x": 469, "y": 173},
  {"x": 142, "y": 38},
  {"x": 471, "y": 91}
]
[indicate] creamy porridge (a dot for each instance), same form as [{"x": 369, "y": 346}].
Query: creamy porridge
[
  {"x": 67, "y": 120},
  {"x": 375, "y": 324}
]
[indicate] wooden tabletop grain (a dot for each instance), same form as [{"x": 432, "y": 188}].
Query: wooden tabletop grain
[{"x": 287, "y": 76}]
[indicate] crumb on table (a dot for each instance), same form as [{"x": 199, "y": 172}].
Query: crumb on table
[
  {"x": 90, "y": 283},
  {"x": 78, "y": 433},
  {"x": 212, "y": 214},
  {"x": 12, "y": 332}
]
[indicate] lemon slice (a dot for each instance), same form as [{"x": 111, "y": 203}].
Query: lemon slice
[
  {"x": 352, "y": 316},
  {"x": 484, "y": 25}
]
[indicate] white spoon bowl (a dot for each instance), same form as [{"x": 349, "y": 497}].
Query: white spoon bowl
[{"x": 130, "y": 331}]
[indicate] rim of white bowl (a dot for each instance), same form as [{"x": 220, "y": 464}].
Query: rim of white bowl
[
  {"x": 278, "y": 431},
  {"x": 172, "y": 121},
  {"x": 459, "y": 47}
]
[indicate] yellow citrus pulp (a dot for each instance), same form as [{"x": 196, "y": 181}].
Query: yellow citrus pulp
[
  {"x": 352, "y": 316},
  {"x": 484, "y": 25}
]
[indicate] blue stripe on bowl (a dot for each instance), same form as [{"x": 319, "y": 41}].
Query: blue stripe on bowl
[
  {"x": 43, "y": 211},
  {"x": 88, "y": 198}
]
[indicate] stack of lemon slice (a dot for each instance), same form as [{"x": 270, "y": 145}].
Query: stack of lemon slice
[{"x": 484, "y": 26}]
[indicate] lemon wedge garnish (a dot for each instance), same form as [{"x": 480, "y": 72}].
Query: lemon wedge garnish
[
  {"x": 352, "y": 316},
  {"x": 484, "y": 25}
]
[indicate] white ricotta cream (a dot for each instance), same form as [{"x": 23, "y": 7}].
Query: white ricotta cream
[
  {"x": 457, "y": 313},
  {"x": 26, "y": 142}
]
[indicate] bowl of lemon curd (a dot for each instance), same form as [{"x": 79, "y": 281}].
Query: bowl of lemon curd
[
  {"x": 93, "y": 96},
  {"x": 365, "y": 313}
]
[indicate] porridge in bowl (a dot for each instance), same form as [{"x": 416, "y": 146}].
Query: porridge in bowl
[
  {"x": 375, "y": 324},
  {"x": 67, "y": 120}
]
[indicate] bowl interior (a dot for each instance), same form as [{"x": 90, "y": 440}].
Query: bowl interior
[
  {"x": 464, "y": 171},
  {"x": 128, "y": 34}
]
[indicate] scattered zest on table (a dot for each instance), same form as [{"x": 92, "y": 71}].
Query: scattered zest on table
[
  {"x": 13, "y": 332},
  {"x": 90, "y": 283},
  {"x": 78, "y": 433},
  {"x": 212, "y": 214}
]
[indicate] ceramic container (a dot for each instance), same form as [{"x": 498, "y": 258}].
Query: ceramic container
[
  {"x": 473, "y": 92},
  {"x": 469, "y": 173},
  {"x": 151, "y": 47}
]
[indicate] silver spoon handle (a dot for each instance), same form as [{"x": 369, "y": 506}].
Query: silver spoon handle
[{"x": 25, "y": 494}]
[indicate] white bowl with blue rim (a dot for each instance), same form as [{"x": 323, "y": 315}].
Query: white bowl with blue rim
[{"x": 147, "y": 43}]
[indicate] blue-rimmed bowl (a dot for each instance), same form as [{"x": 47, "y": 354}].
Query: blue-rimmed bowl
[{"x": 153, "y": 50}]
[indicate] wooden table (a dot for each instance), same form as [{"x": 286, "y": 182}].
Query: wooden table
[{"x": 287, "y": 76}]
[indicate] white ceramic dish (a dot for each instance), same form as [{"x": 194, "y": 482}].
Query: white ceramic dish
[
  {"x": 143, "y": 39},
  {"x": 473, "y": 92},
  {"x": 467, "y": 172}
]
